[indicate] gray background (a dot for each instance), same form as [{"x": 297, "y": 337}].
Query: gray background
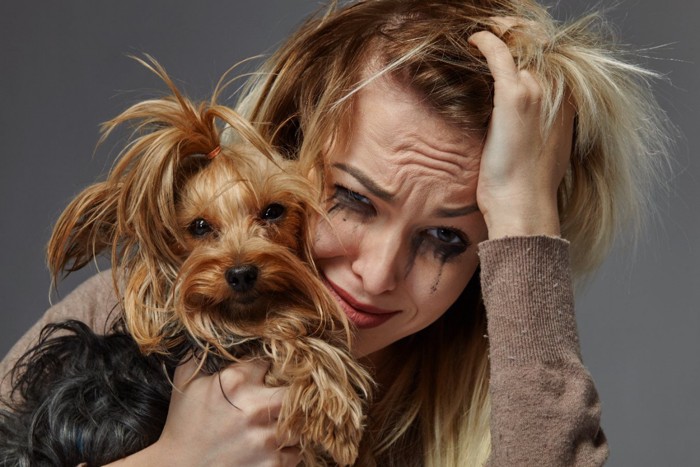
[{"x": 63, "y": 70}]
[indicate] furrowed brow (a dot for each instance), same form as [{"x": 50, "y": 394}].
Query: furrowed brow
[
  {"x": 366, "y": 182},
  {"x": 457, "y": 212}
]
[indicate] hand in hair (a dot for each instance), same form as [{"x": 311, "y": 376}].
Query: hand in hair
[
  {"x": 522, "y": 162},
  {"x": 228, "y": 418}
]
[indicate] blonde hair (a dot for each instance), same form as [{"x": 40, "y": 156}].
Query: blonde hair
[{"x": 303, "y": 100}]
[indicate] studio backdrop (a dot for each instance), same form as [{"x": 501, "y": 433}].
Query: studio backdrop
[{"x": 64, "y": 70}]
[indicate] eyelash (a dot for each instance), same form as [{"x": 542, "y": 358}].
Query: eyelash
[
  {"x": 349, "y": 200},
  {"x": 443, "y": 250}
]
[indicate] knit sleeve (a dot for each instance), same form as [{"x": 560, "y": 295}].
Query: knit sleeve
[
  {"x": 93, "y": 302},
  {"x": 545, "y": 408}
]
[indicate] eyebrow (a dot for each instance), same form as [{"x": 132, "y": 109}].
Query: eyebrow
[
  {"x": 384, "y": 195},
  {"x": 367, "y": 182},
  {"x": 456, "y": 212}
]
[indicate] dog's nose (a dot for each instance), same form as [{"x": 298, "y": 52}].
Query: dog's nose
[{"x": 242, "y": 278}]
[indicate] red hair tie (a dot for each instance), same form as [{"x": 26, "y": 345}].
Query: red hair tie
[{"x": 214, "y": 152}]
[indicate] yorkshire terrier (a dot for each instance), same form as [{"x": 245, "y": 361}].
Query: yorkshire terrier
[{"x": 208, "y": 232}]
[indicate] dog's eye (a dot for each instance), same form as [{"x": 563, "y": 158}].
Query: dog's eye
[
  {"x": 272, "y": 212},
  {"x": 199, "y": 227}
]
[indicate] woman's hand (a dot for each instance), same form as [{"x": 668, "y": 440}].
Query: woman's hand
[
  {"x": 225, "y": 419},
  {"x": 521, "y": 168}
]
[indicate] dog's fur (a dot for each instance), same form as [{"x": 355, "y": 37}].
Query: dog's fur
[
  {"x": 211, "y": 256},
  {"x": 82, "y": 397}
]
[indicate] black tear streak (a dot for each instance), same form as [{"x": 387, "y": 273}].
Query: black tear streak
[
  {"x": 434, "y": 287},
  {"x": 413, "y": 253}
]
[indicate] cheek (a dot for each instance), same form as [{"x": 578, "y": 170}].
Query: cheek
[
  {"x": 334, "y": 237},
  {"x": 437, "y": 289},
  {"x": 325, "y": 245}
]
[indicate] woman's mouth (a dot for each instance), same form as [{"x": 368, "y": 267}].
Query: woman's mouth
[{"x": 361, "y": 315}]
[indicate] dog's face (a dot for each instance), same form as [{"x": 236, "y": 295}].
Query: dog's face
[
  {"x": 243, "y": 245},
  {"x": 211, "y": 256}
]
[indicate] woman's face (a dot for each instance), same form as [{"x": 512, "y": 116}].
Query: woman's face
[{"x": 401, "y": 243}]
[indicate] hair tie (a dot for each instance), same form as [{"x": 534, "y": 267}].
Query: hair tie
[{"x": 214, "y": 152}]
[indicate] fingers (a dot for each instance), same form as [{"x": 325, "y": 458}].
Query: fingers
[
  {"x": 503, "y": 24},
  {"x": 522, "y": 162},
  {"x": 532, "y": 30},
  {"x": 231, "y": 414},
  {"x": 510, "y": 83},
  {"x": 519, "y": 87},
  {"x": 243, "y": 385},
  {"x": 497, "y": 56}
]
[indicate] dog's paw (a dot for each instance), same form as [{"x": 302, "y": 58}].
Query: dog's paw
[
  {"x": 327, "y": 397},
  {"x": 326, "y": 418}
]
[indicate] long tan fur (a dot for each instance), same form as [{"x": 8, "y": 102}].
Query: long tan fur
[{"x": 179, "y": 213}]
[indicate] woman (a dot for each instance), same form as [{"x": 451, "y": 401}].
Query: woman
[{"x": 441, "y": 134}]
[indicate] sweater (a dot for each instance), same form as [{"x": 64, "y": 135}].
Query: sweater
[{"x": 545, "y": 408}]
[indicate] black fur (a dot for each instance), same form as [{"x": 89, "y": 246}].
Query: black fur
[{"x": 82, "y": 397}]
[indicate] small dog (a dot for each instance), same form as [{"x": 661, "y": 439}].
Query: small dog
[{"x": 208, "y": 233}]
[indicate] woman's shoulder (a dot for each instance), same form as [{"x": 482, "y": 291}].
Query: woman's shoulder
[{"x": 94, "y": 302}]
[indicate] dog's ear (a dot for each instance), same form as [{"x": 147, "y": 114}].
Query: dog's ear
[
  {"x": 133, "y": 211},
  {"x": 132, "y": 214}
]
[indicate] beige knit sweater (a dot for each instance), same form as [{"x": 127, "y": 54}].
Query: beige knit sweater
[{"x": 545, "y": 408}]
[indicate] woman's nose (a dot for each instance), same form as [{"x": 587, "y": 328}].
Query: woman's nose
[{"x": 377, "y": 263}]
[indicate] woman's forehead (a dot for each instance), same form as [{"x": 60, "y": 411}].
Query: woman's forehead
[
  {"x": 389, "y": 117},
  {"x": 398, "y": 144}
]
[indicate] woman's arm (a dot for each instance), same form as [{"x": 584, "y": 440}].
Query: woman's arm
[
  {"x": 545, "y": 408},
  {"x": 93, "y": 302},
  {"x": 203, "y": 426},
  {"x": 228, "y": 418}
]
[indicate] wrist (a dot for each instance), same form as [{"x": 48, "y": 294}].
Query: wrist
[{"x": 515, "y": 220}]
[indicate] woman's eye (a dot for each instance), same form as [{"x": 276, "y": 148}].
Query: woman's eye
[
  {"x": 446, "y": 235},
  {"x": 351, "y": 200},
  {"x": 199, "y": 228},
  {"x": 445, "y": 243},
  {"x": 272, "y": 212},
  {"x": 359, "y": 198}
]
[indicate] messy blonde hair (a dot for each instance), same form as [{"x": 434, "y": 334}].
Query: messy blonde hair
[{"x": 304, "y": 99}]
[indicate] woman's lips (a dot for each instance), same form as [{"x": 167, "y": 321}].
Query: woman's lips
[{"x": 363, "y": 316}]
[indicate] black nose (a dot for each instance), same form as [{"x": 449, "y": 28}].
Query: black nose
[{"x": 242, "y": 278}]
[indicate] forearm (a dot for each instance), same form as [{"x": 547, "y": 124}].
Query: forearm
[{"x": 545, "y": 408}]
